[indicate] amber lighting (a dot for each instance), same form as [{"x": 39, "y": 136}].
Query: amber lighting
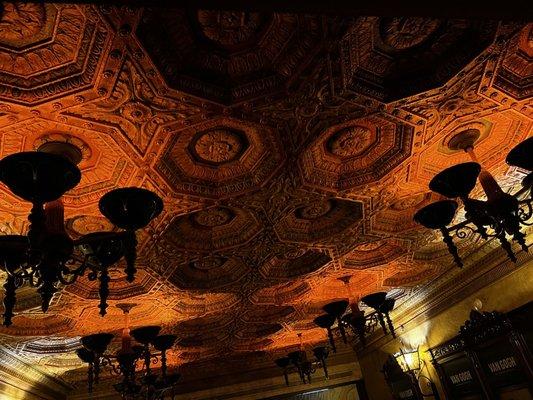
[{"x": 47, "y": 258}]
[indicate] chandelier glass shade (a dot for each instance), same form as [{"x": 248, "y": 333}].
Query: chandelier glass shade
[
  {"x": 47, "y": 257},
  {"x": 299, "y": 362},
  {"x": 140, "y": 349},
  {"x": 501, "y": 216}
]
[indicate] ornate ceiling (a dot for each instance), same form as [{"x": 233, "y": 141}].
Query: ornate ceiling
[{"x": 290, "y": 150}]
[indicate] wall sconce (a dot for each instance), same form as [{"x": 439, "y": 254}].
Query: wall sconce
[{"x": 410, "y": 363}]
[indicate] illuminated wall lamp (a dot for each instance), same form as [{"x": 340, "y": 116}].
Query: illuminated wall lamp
[{"x": 410, "y": 363}]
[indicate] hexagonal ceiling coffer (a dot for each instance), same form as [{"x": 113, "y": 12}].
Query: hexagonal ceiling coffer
[
  {"x": 209, "y": 273},
  {"x": 229, "y": 56},
  {"x": 319, "y": 221},
  {"x": 49, "y": 50},
  {"x": 294, "y": 265},
  {"x": 212, "y": 229},
  {"x": 119, "y": 287},
  {"x": 356, "y": 152},
  {"x": 220, "y": 158},
  {"x": 392, "y": 58},
  {"x": 373, "y": 254}
]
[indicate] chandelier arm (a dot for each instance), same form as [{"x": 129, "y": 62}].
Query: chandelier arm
[
  {"x": 10, "y": 299},
  {"x": 452, "y": 248},
  {"x": 130, "y": 254},
  {"x": 103, "y": 291},
  {"x": 507, "y": 246}
]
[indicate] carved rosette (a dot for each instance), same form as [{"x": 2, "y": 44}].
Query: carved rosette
[
  {"x": 374, "y": 254},
  {"x": 49, "y": 50},
  {"x": 220, "y": 158},
  {"x": 227, "y": 56},
  {"x": 392, "y": 58},
  {"x": 280, "y": 268},
  {"x": 500, "y": 132},
  {"x": 104, "y": 164},
  {"x": 356, "y": 152},
  {"x": 209, "y": 273},
  {"x": 319, "y": 221},
  {"x": 210, "y": 230}
]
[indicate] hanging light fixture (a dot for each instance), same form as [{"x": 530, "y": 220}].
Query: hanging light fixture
[
  {"x": 410, "y": 362},
  {"x": 149, "y": 386},
  {"x": 297, "y": 360},
  {"x": 500, "y": 216},
  {"x": 47, "y": 257},
  {"x": 355, "y": 321}
]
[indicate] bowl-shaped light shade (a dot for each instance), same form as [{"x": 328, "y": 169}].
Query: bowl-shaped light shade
[
  {"x": 13, "y": 251},
  {"x": 436, "y": 215},
  {"x": 106, "y": 246},
  {"x": 146, "y": 334},
  {"x": 85, "y": 355},
  {"x": 374, "y": 300},
  {"x": 337, "y": 308},
  {"x": 325, "y": 321},
  {"x": 164, "y": 342},
  {"x": 38, "y": 177},
  {"x": 97, "y": 343},
  {"x": 522, "y": 155},
  {"x": 130, "y": 208},
  {"x": 283, "y": 362},
  {"x": 387, "y": 305},
  {"x": 321, "y": 352},
  {"x": 456, "y": 181}
]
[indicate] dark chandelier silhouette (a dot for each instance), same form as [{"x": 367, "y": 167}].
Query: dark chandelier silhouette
[
  {"x": 356, "y": 323},
  {"x": 47, "y": 257},
  {"x": 500, "y": 216},
  {"x": 298, "y": 361},
  {"x": 137, "y": 383}
]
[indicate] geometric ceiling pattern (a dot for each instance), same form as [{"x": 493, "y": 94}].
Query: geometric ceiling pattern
[{"x": 289, "y": 150}]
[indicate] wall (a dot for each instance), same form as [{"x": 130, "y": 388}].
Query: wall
[{"x": 504, "y": 294}]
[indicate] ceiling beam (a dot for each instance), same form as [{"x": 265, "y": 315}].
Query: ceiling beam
[{"x": 519, "y": 10}]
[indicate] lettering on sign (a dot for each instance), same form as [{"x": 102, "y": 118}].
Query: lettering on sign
[
  {"x": 502, "y": 365},
  {"x": 461, "y": 377}
]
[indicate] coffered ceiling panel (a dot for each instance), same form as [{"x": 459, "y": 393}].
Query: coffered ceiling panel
[{"x": 289, "y": 150}]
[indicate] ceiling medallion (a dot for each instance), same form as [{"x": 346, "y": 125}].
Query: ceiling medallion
[
  {"x": 298, "y": 360},
  {"x": 21, "y": 23},
  {"x": 213, "y": 217},
  {"x": 351, "y": 141},
  {"x": 500, "y": 216},
  {"x": 47, "y": 257},
  {"x": 208, "y": 263},
  {"x": 229, "y": 28},
  {"x": 124, "y": 362},
  {"x": 401, "y": 33},
  {"x": 314, "y": 211},
  {"x": 218, "y": 146}
]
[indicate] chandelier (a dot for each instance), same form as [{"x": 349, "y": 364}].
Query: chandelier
[
  {"x": 125, "y": 362},
  {"x": 501, "y": 215},
  {"x": 297, "y": 360},
  {"x": 47, "y": 257},
  {"x": 356, "y": 322}
]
